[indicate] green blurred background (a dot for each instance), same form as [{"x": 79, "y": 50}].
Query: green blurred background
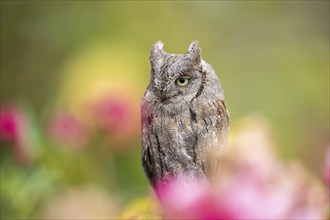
[{"x": 272, "y": 57}]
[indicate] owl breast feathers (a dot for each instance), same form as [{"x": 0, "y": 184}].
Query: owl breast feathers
[{"x": 184, "y": 116}]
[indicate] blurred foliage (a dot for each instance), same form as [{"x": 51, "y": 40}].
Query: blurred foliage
[{"x": 67, "y": 56}]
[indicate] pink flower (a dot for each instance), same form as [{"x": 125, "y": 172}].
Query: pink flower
[
  {"x": 187, "y": 198},
  {"x": 66, "y": 129},
  {"x": 118, "y": 117},
  {"x": 113, "y": 114},
  {"x": 242, "y": 197},
  {"x": 10, "y": 120},
  {"x": 14, "y": 128}
]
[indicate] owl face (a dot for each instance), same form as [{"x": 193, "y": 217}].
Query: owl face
[{"x": 175, "y": 77}]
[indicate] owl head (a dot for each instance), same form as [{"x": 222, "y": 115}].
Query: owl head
[{"x": 176, "y": 76}]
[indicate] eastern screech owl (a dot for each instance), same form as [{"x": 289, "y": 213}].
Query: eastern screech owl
[{"x": 184, "y": 116}]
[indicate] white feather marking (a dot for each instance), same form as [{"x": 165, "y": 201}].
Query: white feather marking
[
  {"x": 185, "y": 153},
  {"x": 181, "y": 141}
]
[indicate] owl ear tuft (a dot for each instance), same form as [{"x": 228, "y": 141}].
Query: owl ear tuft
[
  {"x": 156, "y": 54},
  {"x": 194, "y": 52}
]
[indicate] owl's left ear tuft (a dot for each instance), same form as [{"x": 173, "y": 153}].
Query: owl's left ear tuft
[
  {"x": 156, "y": 54},
  {"x": 194, "y": 52}
]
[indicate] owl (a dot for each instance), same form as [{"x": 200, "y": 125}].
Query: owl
[{"x": 184, "y": 116}]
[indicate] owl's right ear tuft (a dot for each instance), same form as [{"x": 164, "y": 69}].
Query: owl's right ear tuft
[
  {"x": 157, "y": 47},
  {"x": 156, "y": 54},
  {"x": 194, "y": 52}
]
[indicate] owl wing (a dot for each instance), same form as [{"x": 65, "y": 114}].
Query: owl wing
[
  {"x": 222, "y": 127},
  {"x": 147, "y": 159}
]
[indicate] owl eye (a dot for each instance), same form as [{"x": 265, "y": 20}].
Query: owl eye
[{"x": 182, "y": 81}]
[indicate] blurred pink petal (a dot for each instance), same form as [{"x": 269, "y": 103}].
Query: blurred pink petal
[
  {"x": 187, "y": 198},
  {"x": 14, "y": 130},
  {"x": 241, "y": 199},
  {"x": 66, "y": 129},
  {"x": 10, "y": 120},
  {"x": 113, "y": 114},
  {"x": 307, "y": 213},
  {"x": 244, "y": 198},
  {"x": 117, "y": 115}
]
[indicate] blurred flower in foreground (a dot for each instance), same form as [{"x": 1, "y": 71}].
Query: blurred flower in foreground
[
  {"x": 254, "y": 184},
  {"x": 14, "y": 128},
  {"x": 117, "y": 116},
  {"x": 242, "y": 199},
  {"x": 9, "y": 124},
  {"x": 66, "y": 129}
]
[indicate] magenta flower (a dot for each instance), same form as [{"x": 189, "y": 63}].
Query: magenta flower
[
  {"x": 118, "y": 117},
  {"x": 242, "y": 197},
  {"x": 113, "y": 114},
  {"x": 10, "y": 121},
  {"x": 14, "y": 129},
  {"x": 66, "y": 129},
  {"x": 188, "y": 198}
]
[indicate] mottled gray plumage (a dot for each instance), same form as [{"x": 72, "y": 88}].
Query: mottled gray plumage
[{"x": 184, "y": 116}]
